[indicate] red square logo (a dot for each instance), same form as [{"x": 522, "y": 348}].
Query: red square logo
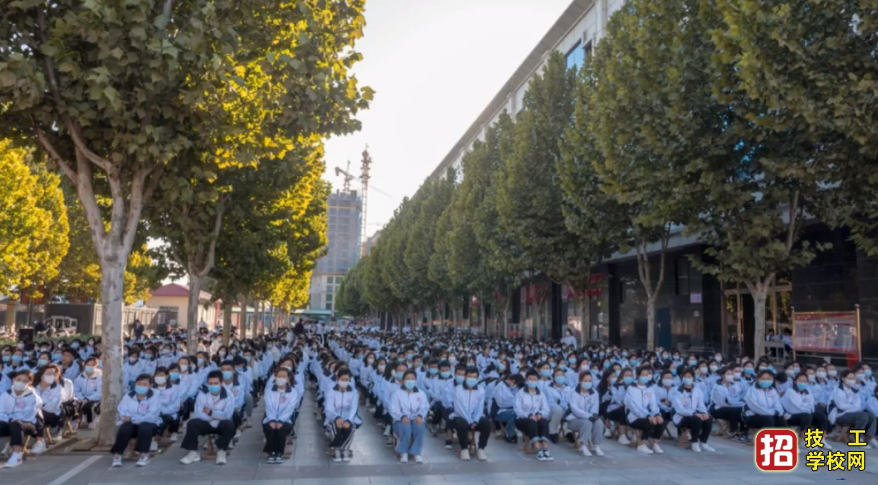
[{"x": 777, "y": 450}]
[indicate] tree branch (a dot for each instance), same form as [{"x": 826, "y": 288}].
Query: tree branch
[
  {"x": 791, "y": 230},
  {"x": 47, "y": 144},
  {"x": 92, "y": 211},
  {"x": 73, "y": 129}
]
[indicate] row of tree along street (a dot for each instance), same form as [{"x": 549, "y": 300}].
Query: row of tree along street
[
  {"x": 197, "y": 124},
  {"x": 737, "y": 120}
]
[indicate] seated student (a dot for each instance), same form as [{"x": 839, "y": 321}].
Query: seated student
[
  {"x": 341, "y": 417},
  {"x": 503, "y": 404},
  {"x": 643, "y": 413},
  {"x": 727, "y": 401},
  {"x": 531, "y": 410},
  {"x": 391, "y": 383},
  {"x": 616, "y": 412},
  {"x": 20, "y": 416},
  {"x": 169, "y": 398},
  {"x": 69, "y": 365},
  {"x": 51, "y": 393},
  {"x": 691, "y": 413},
  {"x": 132, "y": 368},
  {"x": 846, "y": 408},
  {"x": 236, "y": 389},
  {"x": 763, "y": 407},
  {"x": 469, "y": 415},
  {"x": 408, "y": 409},
  {"x": 663, "y": 393},
  {"x": 799, "y": 404},
  {"x": 214, "y": 409},
  {"x": 556, "y": 395},
  {"x": 584, "y": 418},
  {"x": 280, "y": 405},
  {"x": 5, "y": 381},
  {"x": 138, "y": 418}
]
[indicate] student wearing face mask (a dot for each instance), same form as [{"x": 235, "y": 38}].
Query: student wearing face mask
[
  {"x": 727, "y": 402},
  {"x": 468, "y": 414},
  {"x": 799, "y": 406},
  {"x": 441, "y": 385},
  {"x": 866, "y": 380},
  {"x": 51, "y": 393},
  {"x": 643, "y": 413},
  {"x": 169, "y": 404},
  {"x": 691, "y": 414},
  {"x": 280, "y": 406},
  {"x": 531, "y": 410},
  {"x": 214, "y": 409},
  {"x": 341, "y": 419},
  {"x": 583, "y": 419},
  {"x": 19, "y": 416},
  {"x": 663, "y": 390},
  {"x": 408, "y": 409},
  {"x": 138, "y": 417},
  {"x": 846, "y": 409},
  {"x": 763, "y": 406},
  {"x": 132, "y": 368},
  {"x": 503, "y": 403},
  {"x": 5, "y": 381},
  {"x": 556, "y": 396},
  {"x": 616, "y": 409}
]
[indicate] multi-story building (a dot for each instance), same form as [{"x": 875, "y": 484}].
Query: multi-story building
[
  {"x": 693, "y": 310},
  {"x": 343, "y": 249}
]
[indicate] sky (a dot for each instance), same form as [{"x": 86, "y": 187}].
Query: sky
[{"x": 434, "y": 66}]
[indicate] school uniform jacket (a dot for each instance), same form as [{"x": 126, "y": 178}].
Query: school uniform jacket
[
  {"x": 222, "y": 406},
  {"x": 583, "y": 404},
  {"x": 52, "y": 397},
  {"x": 169, "y": 399},
  {"x": 280, "y": 405},
  {"x": 727, "y": 396},
  {"x": 687, "y": 403},
  {"x": 469, "y": 403},
  {"x": 409, "y": 404},
  {"x": 442, "y": 392},
  {"x": 25, "y": 408},
  {"x": 237, "y": 390},
  {"x": 140, "y": 411},
  {"x": 844, "y": 401},
  {"x": 762, "y": 402},
  {"x": 557, "y": 397},
  {"x": 527, "y": 404},
  {"x": 640, "y": 402},
  {"x": 342, "y": 404},
  {"x": 798, "y": 402},
  {"x": 87, "y": 388},
  {"x": 504, "y": 397}
]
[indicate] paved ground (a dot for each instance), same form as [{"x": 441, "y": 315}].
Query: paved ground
[{"x": 374, "y": 464}]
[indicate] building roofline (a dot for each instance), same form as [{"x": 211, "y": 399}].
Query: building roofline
[{"x": 567, "y": 21}]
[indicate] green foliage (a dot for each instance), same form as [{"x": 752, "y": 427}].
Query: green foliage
[
  {"x": 33, "y": 221},
  {"x": 350, "y": 299}
]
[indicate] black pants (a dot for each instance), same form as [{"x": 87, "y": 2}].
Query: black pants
[
  {"x": 275, "y": 439},
  {"x": 70, "y": 409},
  {"x": 438, "y": 413},
  {"x": 618, "y": 415},
  {"x": 143, "y": 432},
  {"x": 225, "y": 431},
  {"x": 699, "y": 430},
  {"x": 733, "y": 416},
  {"x": 649, "y": 430},
  {"x": 805, "y": 421},
  {"x": 758, "y": 422},
  {"x": 169, "y": 423},
  {"x": 237, "y": 419},
  {"x": 16, "y": 430},
  {"x": 483, "y": 427},
  {"x": 187, "y": 408},
  {"x": 89, "y": 410},
  {"x": 341, "y": 437},
  {"x": 533, "y": 429},
  {"x": 53, "y": 420}
]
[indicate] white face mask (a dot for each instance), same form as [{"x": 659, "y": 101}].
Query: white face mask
[
  {"x": 281, "y": 381},
  {"x": 49, "y": 379},
  {"x": 19, "y": 386},
  {"x": 344, "y": 384},
  {"x": 161, "y": 380},
  {"x": 184, "y": 368}
]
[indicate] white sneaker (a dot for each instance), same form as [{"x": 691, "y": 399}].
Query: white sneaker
[
  {"x": 418, "y": 459},
  {"x": 174, "y": 437},
  {"x": 707, "y": 447},
  {"x": 347, "y": 455},
  {"x": 464, "y": 455},
  {"x": 387, "y": 430},
  {"x": 192, "y": 457},
  {"x": 623, "y": 440},
  {"x": 548, "y": 456},
  {"x": 644, "y": 449},
  {"x": 608, "y": 433},
  {"x": 237, "y": 434},
  {"x": 481, "y": 455},
  {"x": 658, "y": 449},
  {"x": 336, "y": 456},
  {"x": 696, "y": 447},
  {"x": 39, "y": 448},
  {"x": 404, "y": 458},
  {"x": 221, "y": 457},
  {"x": 117, "y": 461},
  {"x": 144, "y": 459},
  {"x": 598, "y": 451},
  {"x": 541, "y": 456},
  {"x": 584, "y": 450},
  {"x": 154, "y": 446},
  {"x": 16, "y": 459}
]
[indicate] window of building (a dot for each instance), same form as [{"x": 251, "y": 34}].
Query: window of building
[
  {"x": 576, "y": 56},
  {"x": 682, "y": 276},
  {"x": 588, "y": 49}
]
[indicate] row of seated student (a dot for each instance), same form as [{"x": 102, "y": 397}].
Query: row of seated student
[{"x": 415, "y": 385}]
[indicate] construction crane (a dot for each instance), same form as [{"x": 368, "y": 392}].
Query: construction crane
[
  {"x": 365, "y": 167},
  {"x": 347, "y": 177}
]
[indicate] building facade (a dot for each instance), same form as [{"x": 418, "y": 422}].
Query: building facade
[
  {"x": 343, "y": 249},
  {"x": 693, "y": 310}
]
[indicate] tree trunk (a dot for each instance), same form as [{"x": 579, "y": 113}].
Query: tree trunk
[
  {"x": 760, "y": 295},
  {"x": 195, "y": 284},
  {"x": 650, "y": 321},
  {"x": 112, "y": 387},
  {"x": 10, "y": 316},
  {"x": 254, "y": 329},
  {"x": 484, "y": 315},
  {"x": 227, "y": 320}
]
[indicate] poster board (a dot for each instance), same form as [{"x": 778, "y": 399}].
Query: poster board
[{"x": 827, "y": 332}]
